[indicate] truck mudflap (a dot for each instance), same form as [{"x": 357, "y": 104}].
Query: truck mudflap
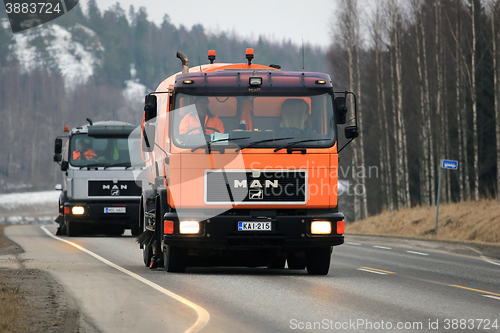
[
  {"x": 125, "y": 214},
  {"x": 285, "y": 232}
]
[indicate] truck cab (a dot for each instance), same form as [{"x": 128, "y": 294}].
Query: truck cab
[
  {"x": 243, "y": 163},
  {"x": 99, "y": 193}
]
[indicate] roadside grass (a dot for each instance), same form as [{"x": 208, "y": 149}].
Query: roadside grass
[
  {"x": 470, "y": 222},
  {"x": 4, "y": 241},
  {"x": 11, "y": 299},
  {"x": 11, "y": 306}
]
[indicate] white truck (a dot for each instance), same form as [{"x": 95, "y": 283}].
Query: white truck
[{"x": 99, "y": 193}]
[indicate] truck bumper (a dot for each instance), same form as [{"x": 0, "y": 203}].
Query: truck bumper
[
  {"x": 289, "y": 232},
  {"x": 95, "y": 212}
]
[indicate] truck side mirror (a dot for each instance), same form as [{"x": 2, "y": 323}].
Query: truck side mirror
[
  {"x": 150, "y": 107},
  {"x": 64, "y": 166},
  {"x": 340, "y": 110},
  {"x": 148, "y": 138},
  {"x": 58, "y": 187},
  {"x": 57, "y": 158},
  {"x": 351, "y": 132},
  {"x": 58, "y": 146}
]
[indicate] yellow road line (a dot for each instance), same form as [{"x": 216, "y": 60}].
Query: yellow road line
[
  {"x": 370, "y": 271},
  {"x": 479, "y": 291},
  {"x": 379, "y": 270}
]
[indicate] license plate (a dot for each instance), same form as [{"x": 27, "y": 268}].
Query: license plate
[
  {"x": 115, "y": 209},
  {"x": 254, "y": 226}
]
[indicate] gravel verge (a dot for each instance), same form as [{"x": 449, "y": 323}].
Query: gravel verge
[{"x": 32, "y": 301}]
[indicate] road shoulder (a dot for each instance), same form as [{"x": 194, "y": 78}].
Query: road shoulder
[
  {"x": 462, "y": 248},
  {"x": 36, "y": 302}
]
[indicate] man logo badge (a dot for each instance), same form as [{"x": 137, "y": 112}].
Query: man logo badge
[
  {"x": 115, "y": 192},
  {"x": 256, "y": 194}
]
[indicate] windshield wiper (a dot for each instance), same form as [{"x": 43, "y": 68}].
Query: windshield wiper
[
  {"x": 94, "y": 165},
  {"x": 253, "y": 144},
  {"x": 208, "y": 145},
  {"x": 123, "y": 164},
  {"x": 297, "y": 142}
]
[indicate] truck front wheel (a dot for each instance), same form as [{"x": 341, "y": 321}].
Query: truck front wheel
[
  {"x": 147, "y": 254},
  {"x": 61, "y": 230},
  {"x": 318, "y": 260},
  {"x": 174, "y": 259}
]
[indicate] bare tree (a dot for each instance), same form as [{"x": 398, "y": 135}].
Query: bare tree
[
  {"x": 431, "y": 84},
  {"x": 378, "y": 25},
  {"x": 495, "y": 17},
  {"x": 462, "y": 131},
  {"x": 473, "y": 93},
  {"x": 357, "y": 49},
  {"x": 424, "y": 112},
  {"x": 441, "y": 111},
  {"x": 395, "y": 28},
  {"x": 463, "y": 70},
  {"x": 427, "y": 112},
  {"x": 349, "y": 33}
]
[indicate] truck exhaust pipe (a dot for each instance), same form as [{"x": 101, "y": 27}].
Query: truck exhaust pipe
[{"x": 185, "y": 62}]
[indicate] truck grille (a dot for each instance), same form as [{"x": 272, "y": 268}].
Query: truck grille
[
  {"x": 258, "y": 187},
  {"x": 106, "y": 188}
]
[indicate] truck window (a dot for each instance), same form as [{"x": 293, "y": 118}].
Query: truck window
[
  {"x": 85, "y": 150},
  {"x": 257, "y": 118}
]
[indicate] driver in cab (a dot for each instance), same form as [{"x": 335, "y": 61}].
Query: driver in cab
[
  {"x": 83, "y": 150},
  {"x": 190, "y": 124}
]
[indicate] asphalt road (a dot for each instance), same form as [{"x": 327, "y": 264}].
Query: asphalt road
[{"x": 374, "y": 285}]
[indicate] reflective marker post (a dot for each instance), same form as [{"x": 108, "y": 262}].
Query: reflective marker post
[{"x": 445, "y": 164}]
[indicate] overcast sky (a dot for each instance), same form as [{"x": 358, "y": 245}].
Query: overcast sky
[{"x": 274, "y": 19}]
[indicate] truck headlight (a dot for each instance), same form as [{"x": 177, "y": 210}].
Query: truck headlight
[
  {"x": 321, "y": 227},
  {"x": 78, "y": 210},
  {"x": 189, "y": 227}
]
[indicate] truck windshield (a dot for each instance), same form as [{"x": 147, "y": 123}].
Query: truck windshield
[
  {"x": 106, "y": 152},
  {"x": 254, "y": 121}
]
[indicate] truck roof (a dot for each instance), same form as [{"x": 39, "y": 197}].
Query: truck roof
[
  {"x": 235, "y": 81},
  {"x": 102, "y": 126}
]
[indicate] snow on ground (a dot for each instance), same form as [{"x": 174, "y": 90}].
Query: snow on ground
[
  {"x": 58, "y": 50},
  {"x": 134, "y": 91},
  {"x": 343, "y": 186},
  {"x": 14, "y": 201},
  {"x": 27, "y": 220},
  {"x": 75, "y": 63},
  {"x": 5, "y": 24},
  {"x": 29, "y": 207},
  {"x": 26, "y": 53}
]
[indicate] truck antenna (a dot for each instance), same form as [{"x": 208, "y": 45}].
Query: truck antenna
[
  {"x": 303, "y": 57},
  {"x": 90, "y": 121},
  {"x": 199, "y": 61}
]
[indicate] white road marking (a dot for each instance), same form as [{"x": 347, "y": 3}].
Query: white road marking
[
  {"x": 203, "y": 315},
  {"x": 382, "y": 247},
  {"x": 491, "y": 296},
  {"x": 490, "y": 261},
  {"x": 370, "y": 271},
  {"x": 419, "y": 253},
  {"x": 483, "y": 257},
  {"x": 355, "y": 244}
]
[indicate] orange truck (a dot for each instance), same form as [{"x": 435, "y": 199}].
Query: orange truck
[{"x": 242, "y": 161}]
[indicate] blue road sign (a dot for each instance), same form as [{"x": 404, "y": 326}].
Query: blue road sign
[{"x": 447, "y": 164}]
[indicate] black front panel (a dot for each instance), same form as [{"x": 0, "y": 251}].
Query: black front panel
[
  {"x": 106, "y": 188},
  {"x": 254, "y": 188}
]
